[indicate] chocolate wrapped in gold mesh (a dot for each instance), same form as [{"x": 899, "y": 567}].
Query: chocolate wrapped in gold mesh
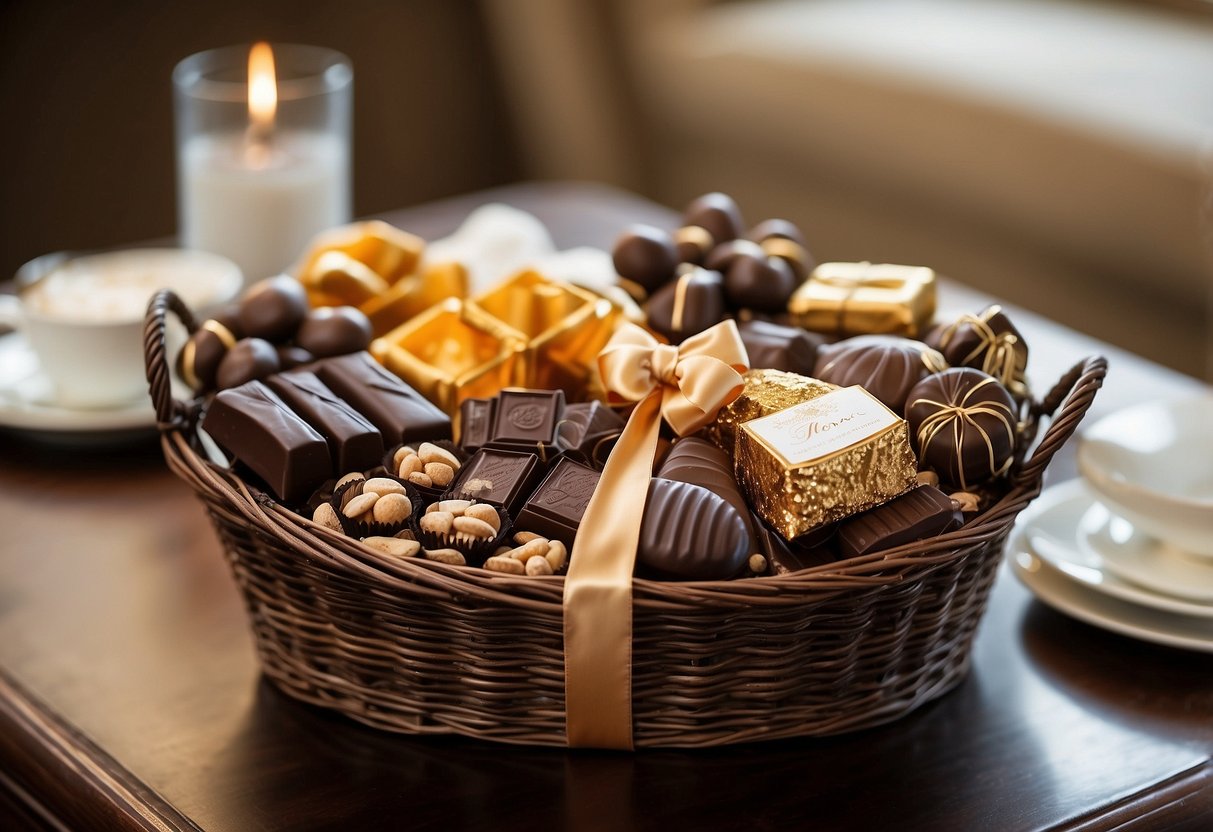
[
  {"x": 824, "y": 459},
  {"x": 866, "y": 298},
  {"x": 765, "y": 392}
]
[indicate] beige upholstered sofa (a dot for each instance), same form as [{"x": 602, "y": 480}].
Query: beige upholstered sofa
[{"x": 1055, "y": 152}]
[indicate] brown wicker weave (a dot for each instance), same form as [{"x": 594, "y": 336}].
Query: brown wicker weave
[{"x": 424, "y": 648}]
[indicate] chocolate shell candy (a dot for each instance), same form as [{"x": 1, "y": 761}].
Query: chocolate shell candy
[
  {"x": 718, "y": 214},
  {"x": 646, "y": 255},
  {"x": 273, "y": 308},
  {"x": 699, "y": 462},
  {"x": 987, "y": 341},
  {"x": 691, "y": 304},
  {"x": 334, "y": 330},
  {"x": 963, "y": 426},
  {"x": 885, "y": 365},
  {"x": 774, "y": 347},
  {"x": 248, "y": 359},
  {"x": 689, "y": 533},
  {"x": 198, "y": 361}
]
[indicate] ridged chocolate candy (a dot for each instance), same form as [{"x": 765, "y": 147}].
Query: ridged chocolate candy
[
  {"x": 646, "y": 255},
  {"x": 885, "y": 365},
  {"x": 699, "y": 462},
  {"x": 689, "y": 533},
  {"x": 690, "y": 304},
  {"x": 718, "y": 213},
  {"x": 334, "y": 330},
  {"x": 273, "y": 309},
  {"x": 963, "y": 426}
]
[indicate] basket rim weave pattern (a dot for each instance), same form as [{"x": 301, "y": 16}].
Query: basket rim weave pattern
[{"x": 426, "y": 648}]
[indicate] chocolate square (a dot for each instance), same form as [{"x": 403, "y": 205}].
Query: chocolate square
[
  {"x": 499, "y": 476},
  {"x": 922, "y": 512},
  {"x": 476, "y": 423},
  {"x": 527, "y": 418},
  {"x": 354, "y": 443},
  {"x": 556, "y": 508}
]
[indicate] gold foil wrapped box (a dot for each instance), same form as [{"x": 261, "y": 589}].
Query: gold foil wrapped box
[
  {"x": 824, "y": 459},
  {"x": 451, "y": 352},
  {"x": 765, "y": 392},
  {"x": 866, "y": 298}
]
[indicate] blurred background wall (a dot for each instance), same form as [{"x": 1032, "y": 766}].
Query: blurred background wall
[{"x": 1052, "y": 152}]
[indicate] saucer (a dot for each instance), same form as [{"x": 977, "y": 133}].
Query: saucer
[
  {"x": 27, "y": 401},
  {"x": 1052, "y": 530}
]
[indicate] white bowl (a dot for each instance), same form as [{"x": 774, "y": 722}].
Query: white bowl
[{"x": 1152, "y": 464}]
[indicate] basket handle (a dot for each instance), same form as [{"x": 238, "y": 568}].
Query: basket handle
[
  {"x": 1066, "y": 403},
  {"x": 171, "y": 414}
]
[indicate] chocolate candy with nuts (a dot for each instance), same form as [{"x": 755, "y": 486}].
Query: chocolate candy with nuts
[{"x": 468, "y": 527}]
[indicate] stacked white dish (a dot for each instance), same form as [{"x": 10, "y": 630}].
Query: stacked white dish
[{"x": 1129, "y": 547}]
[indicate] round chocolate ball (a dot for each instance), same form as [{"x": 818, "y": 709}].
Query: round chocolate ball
[
  {"x": 334, "y": 330},
  {"x": 761, "y": 283},
  {"x": 198, "y": 361},
  {"x": 718, "y": 213},
  {"x": 690, "y": 304},
  {"x": 776, "y": 228},
  {"x": 291, "y": 356},
  {"x": 963, "y": 425},
  {"x": 694, "y": 244},
  {"x": 646, "y": 255},
  {"x": 885, "y": 365},
  {"x": 249, "y": 359},
  {"x": 273, "y": 309},
  {"x": 722, "y": 256}
]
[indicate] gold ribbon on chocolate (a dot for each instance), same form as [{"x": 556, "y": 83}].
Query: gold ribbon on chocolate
[
  {"x": 684, "y": 386},
  {"x": 1000, "y": 358}
]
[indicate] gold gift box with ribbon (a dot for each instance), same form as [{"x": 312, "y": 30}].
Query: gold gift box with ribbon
[
  {"x": 527, "y": 332},
  {"x": 452, "y": 352},
  {"x": 866, "y": 298},
  {"x": 377, "y": 268}
]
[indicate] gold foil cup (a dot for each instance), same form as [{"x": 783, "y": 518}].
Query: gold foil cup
[
  {"x": 412, "y": 295},
  {"x": 866, "y": 298},
  {"x": 452, "y": 352},
  {"x": 384, "y": 249},
  {"x": 565, "y": 328},
  {"x": 765, "y": 392},
  {"x": 823, "y": 460}
]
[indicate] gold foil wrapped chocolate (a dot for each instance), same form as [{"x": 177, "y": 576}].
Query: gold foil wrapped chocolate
[
  {"x": 822, "y": 460},
  {"x": 866, "y": 298},
  {"x": 376, "y": 267},
  {"x": 765, "y": 392},
  {"x": 527, "y": 332}
]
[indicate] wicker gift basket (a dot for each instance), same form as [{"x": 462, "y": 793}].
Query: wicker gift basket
[{"x": 425, "y": 648}]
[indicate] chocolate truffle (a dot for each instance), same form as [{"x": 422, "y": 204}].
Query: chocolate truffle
[
  {"x": 764, "y": 284},
  {"x": 718, "y": 214},
  {"x": 689, "y": 533},
  {"x": 691, "y": 304},
  {"x": 198, "y": 361},
  {"x": 987, "y": 341},
  {"x": 963, "y": 425},
  {"x": 273, "y": 308},
  {"x": 646, "y": 255},
  {"x": 290, "y": 356},
  {"x": 774, "y": 347},
  {"x": 334, "y": 330},
  {"x": 248, "y": 359},
  {"x": 885, "y": 365},
  {"x": 776, "y": 229}
]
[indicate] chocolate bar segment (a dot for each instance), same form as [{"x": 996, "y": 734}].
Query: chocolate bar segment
[
  {"x": 400, "y": 412},
  {"x": 476, "y": 422},
  {"x": 922, "y": 512},
  {"x": 526, "y": 419},
  {"x": 354, "y": 443},
  {"x": 555, "y": 509},
  {"x": 497, "y": 476},
  {"x": 257, "y": 427},
  {"x": 689, "y": 533}
]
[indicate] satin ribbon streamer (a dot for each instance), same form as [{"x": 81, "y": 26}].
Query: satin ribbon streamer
[{"x": 684, "y": 386}]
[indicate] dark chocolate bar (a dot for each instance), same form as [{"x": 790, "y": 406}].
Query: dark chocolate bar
[
  {"x": 258, "y": 428},
  {"x": 354, "y": 443},
  {"x": 689, "y": 533},
  {"x": 497, "y": 476},
  {"x": 922, "y": 512},
  {"x": 400, "y": 412},
  {"x": 555, "y": 509}
]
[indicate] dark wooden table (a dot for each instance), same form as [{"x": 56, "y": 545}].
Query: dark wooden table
[{"x": 130, "y": 697}]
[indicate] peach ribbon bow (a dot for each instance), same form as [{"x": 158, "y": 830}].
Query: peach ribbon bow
[{"x": 686, "y": 386}]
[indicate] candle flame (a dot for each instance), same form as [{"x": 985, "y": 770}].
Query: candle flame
[{"x": 262, "y": 86}]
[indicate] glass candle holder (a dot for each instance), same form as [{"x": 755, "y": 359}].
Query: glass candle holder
[{"x": 263, "y": 151}]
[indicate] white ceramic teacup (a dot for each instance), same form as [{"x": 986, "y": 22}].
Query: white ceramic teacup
[
  {"x": 83, "y": 316},
  {"x": 1152, "y": 464}
]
